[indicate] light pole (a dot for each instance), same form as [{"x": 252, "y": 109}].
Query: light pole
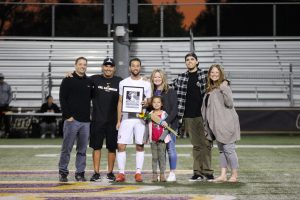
[{"x": 121, "y": 13}]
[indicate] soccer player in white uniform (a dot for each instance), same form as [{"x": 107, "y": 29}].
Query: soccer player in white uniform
[{"x": 129, "y": 125}]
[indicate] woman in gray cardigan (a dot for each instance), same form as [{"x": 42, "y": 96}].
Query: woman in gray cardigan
[{"x": 221, "y": 121}]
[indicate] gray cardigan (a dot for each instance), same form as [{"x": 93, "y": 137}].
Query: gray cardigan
[{"x": 221, "y": 116}]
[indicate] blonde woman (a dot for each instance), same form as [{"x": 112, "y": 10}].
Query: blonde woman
[
  {"x": 221, "y": 121},
  {"x": 161, "y": 88}
]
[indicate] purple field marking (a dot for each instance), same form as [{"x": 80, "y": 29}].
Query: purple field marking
[
  {"x": 122, "y": 198},
  {"x": 72, "y": 191}
]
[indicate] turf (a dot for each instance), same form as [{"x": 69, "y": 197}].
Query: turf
[{"x": 265, "y": 172}]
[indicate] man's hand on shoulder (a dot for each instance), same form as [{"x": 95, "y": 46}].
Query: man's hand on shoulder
[{"x": 69, "y": 75}]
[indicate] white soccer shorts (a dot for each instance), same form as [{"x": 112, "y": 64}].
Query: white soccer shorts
[{"x": 130, "y": 128}]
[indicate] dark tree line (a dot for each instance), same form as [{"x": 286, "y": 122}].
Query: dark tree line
[
  {"x": 248, "y": 20},
  {"x": 87, "y": 21}
]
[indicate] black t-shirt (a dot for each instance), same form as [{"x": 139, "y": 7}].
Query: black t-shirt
[
  {"x": 193, "y": 97},
  {"x": 105, "y": 98},
  {"x": 45, "y": 107},
  {"x": 206, "y": 100}
]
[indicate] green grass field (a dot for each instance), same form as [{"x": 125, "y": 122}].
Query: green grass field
[{"x": 268, "y": 170}]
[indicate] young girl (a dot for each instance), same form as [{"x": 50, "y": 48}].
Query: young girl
[
  {"x": 160, "y": 87},
  {"x": 158, "y": 138},
  {"x": 221, "y": 121}
]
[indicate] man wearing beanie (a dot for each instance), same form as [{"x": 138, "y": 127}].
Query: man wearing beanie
[{"x": 190, "y": 88}]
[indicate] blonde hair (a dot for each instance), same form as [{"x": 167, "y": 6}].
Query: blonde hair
[
  {"x": 210, "y": 83},
  {"x": 164, "y": 80}
]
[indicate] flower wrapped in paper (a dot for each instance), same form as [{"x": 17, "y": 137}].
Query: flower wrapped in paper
[{"x": 147, "y": 116}]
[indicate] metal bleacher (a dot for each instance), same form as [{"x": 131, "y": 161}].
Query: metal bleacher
[
  {"x": 28, "y": 65},
  {"x": 258, "y": 69}
]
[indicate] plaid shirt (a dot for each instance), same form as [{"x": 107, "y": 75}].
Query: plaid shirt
[{"x": 180, "y": 85}]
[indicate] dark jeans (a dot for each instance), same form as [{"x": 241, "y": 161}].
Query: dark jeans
[
  {"x": 51, "y": 127},
  {"x": 72, "y": 131},
  {"x": 4, "y": 119}
]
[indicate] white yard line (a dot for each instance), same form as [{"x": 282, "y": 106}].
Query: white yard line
[
  {"x": 90, "y": 155},
  {"x": 147, "y": 146}
]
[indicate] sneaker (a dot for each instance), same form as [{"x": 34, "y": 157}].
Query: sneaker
[
  {"x": 110, "y": 176},
  {"x": 138, "y": 177},
  {"x": 196, "y": 177},
  {"x": 96, "y": 177},
  {"x": 171, "y": 177},
  {"x": 43, "y": 136},
  {"x": 154, "y": 177},
  {"x": 120, "y": 177},
  {"x": 209, "y": 177},
  {"x": 63, "y": 178},
  {"x": 80, "y": 177},
  {"x": 162, "y": 177},
  {"x": 52, "y": 136}
]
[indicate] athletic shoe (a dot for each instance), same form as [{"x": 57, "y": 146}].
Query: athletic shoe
[
  {"x": 162, "y": 177},
  {"x": 171, "y": 177},
  {"x": 138, "y": 177},
  {"x": 120, "y": 177},
  {"x": 154, "y": 177},
  {"x": 80, "y": 177},
  {"x": 96, "y": 177},
  {"x": 209, "y": 177},
  {"x": 110, "y": 176},
  {"x": 63, "y": 178},
  {"x": 196, "y": 177}
]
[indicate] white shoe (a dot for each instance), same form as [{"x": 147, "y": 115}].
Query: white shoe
[
  {"x": 171, "y": 177},
  {"x": 43, "y": 136},
  {"x": 52, "y": 136}
]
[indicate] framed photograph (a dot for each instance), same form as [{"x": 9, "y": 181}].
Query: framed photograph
[{"x": 132, "y": 99}]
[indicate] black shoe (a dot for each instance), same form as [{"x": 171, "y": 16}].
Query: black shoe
[
  {"x": 196, "y": 177},
  {"x": 63, "y": 178},
  {"x": 96, "y": 177},
  {"x": 110, "y": 176},
  {"x": 80, "y": 177},
  {"x": 209, "y": 177}
]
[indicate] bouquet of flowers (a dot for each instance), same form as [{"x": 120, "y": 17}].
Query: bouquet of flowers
[{"x": 147, "y": 116}]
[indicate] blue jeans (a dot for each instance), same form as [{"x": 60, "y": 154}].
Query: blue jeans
[
  {"x": 172, "y": 154},
  {"x": 78, "y": 131}
]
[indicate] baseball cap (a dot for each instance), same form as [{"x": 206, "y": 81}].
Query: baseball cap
[
  {"x": 109, "y": 61},
  {"x": 1, "y": 76}
]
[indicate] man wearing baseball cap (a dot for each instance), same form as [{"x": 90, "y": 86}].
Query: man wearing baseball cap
[
  {"x": 5, "y": 99},
  {"x": 104, "y": 117}
]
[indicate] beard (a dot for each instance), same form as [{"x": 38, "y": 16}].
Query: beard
[{"x": 135, "y": 73}]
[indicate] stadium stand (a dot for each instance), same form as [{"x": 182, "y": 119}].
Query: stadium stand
[{"x": 259, "y": 70}]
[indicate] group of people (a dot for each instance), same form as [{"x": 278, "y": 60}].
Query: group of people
[
  {"x": 47, "y": 123},
  {"x": 202, "y": 102}
]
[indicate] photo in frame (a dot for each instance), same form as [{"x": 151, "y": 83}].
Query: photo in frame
[{"x": 132, "y": 99}]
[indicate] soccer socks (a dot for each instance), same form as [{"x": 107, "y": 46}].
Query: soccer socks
[
  {"x": 121, "y": 158},
  {"x": 139, "y": 161}
]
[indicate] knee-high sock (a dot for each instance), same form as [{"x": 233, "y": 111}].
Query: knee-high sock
[
  {"x": 121, "y": 158},
  {"x": 139, "y": 161}
]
